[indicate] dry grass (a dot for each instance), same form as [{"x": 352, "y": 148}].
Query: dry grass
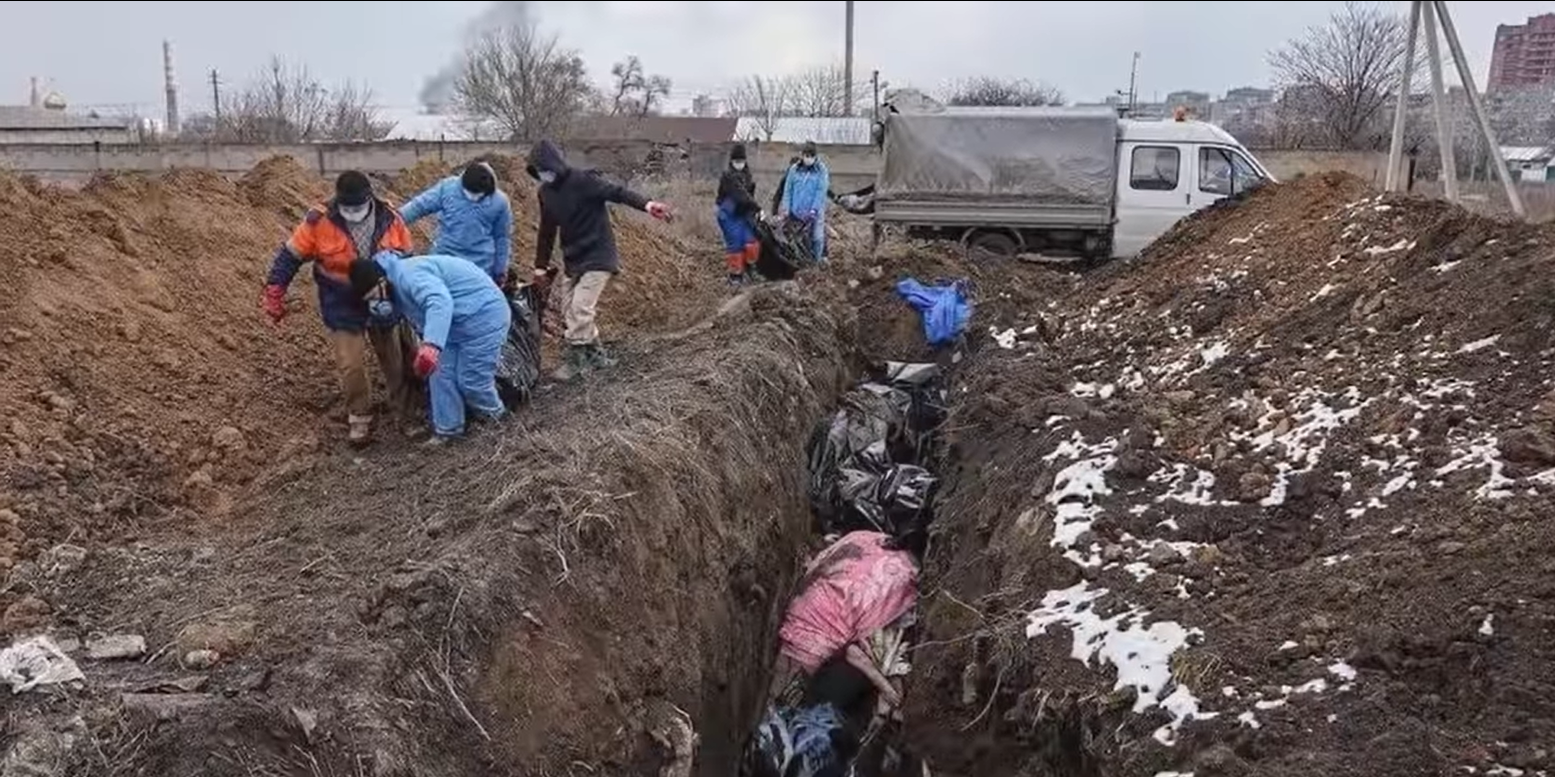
[
  {"x": 1489, "y": 198},
  {"x": 692, "y": 199}
]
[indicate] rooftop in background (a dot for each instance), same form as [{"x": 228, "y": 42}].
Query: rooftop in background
[
  {"x": 659, "y": 129},
  {"x": 845, "y": 130},
  {"x": 25, "y": 117}
]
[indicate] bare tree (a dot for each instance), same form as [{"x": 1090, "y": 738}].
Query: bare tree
[
  {"x": 635, "y": 93},
  {"x": 1347, "y": 70},
  {"x": 763, "y": 99},
  {"x": 821, "y": 92},
  {"x": 1002, "y": 92},
  {"x": 524, "y": 81},
  {"x": 285, "y": 103}
]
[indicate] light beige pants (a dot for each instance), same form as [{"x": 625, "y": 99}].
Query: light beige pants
[
  {"x": 351, "y": 360},
  {"x": 581, "y": 297}
]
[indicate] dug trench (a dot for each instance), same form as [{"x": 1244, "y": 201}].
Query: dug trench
[
  {"x": 590, "y": 585},
  {"x": 1282, "y": 488}
]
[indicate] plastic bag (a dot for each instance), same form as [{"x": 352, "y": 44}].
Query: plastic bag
[
  {"x": 518, "y": 368},
  {"x": 945, "y": 308},
  {"x": 781, "y": 256},
  {"x": 876, "y": 495},
  {"x": 800, "y": 742},
  {"x": 875, "y": 440}
]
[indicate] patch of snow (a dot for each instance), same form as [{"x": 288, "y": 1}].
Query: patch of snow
[
  {"x": 1289, "y": 645},
  {"x": 1342, "y": 671},
  {"x": 1480, "y": 345},
  {"x": 1249, "y": 720},
  {"x": 1328, "y": 288},
  {"x": 1101, "y": 391},
  {"x": 1005, "y": 339},
  {"x": 1404, "y": 244},
  {"x": 1142, "y": 654},
  {"x": 1488, "y": 627}
]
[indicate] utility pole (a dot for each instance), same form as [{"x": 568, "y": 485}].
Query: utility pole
[
  {"x": 1133, "y": 77},
  {"x": 874, "y": 84},
  {"x": 216, "y": 95},
  {"x": 847, "y": 61},
  {"x": 1428, "y": 13}
]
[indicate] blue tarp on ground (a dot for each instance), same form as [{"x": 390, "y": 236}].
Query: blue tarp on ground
[{"x": 945, "y": 308}]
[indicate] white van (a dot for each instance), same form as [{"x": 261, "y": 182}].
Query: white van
[{"x": 1076, "y": 182}]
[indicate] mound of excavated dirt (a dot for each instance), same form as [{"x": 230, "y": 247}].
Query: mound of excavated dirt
[
  {"x": 567, "y": 589},
  {"x": 1283, "y": 484},
  {"x": 139, "y": 385},
  {"x": 137, "y": 380}
]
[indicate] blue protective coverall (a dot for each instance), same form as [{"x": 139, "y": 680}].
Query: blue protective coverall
[
  {"x": 478, "y": 230},
  {"x": 804, "y": 198},
  {"x": 455, "y": 306}
]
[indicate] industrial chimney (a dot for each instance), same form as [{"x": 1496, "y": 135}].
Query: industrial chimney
[
  {"x": 170, "y": 82},
  {"x": 35, "y": 99}
]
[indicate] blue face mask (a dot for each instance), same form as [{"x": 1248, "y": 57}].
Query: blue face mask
[{"x": 381, "y": 311}]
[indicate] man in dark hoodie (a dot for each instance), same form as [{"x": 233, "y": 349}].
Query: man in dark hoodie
[
  {"x": 736, "y": 209},
  {"x": 573, "y": 205}
]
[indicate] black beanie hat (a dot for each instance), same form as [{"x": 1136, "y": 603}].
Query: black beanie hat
[
  {"x": 737, "y": 154},
  {"x": 808, "y": 149},
  {"x": 479, "y": 178},
  {"x": 353, "y": 188},
  {"x": 365, "y": 274}
]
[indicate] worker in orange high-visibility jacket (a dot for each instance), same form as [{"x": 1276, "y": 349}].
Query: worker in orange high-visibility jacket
[{"x": 353, "y": 225}]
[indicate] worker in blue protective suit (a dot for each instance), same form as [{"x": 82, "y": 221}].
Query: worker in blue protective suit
[
  {"x": 463, "y": 320},
  {"x": 475, "y": 219},
  {"x": 805, "y": 188}
]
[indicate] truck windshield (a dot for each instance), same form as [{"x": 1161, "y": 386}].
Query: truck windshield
[{"x": 1225, "y": 171}]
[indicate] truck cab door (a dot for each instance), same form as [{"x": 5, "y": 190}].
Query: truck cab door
[
  {"x": 1155, "y": 185},
  {"x": 1220, "y": 172}
]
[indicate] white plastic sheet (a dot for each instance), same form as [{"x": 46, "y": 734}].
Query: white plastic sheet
[{"x": 34, "y": 662}]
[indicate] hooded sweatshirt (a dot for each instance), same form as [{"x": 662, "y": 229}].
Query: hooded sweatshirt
[
  {"x": 480, "y": 230},
  {"x": 574, "y": 207}
]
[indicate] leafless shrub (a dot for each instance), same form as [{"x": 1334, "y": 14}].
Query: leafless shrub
[
  {"x": 285, "y": 103},
  {"x": 636, "y": 93},
  {"x": 1339, "y": 78},
  {"x": 1002, "y": 92},
  {"x": 523, "y": 80}
]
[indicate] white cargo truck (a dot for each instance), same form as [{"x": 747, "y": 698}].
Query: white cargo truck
[{"x": 1058, "y": 182}]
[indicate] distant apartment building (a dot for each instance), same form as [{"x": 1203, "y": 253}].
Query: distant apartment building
[{"x": 1524, "y": 54}]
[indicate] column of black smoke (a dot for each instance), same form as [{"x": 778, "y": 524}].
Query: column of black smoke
[{"x": 437, "y": 93}]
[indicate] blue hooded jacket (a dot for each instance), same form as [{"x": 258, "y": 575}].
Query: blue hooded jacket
[
  {"x": 804, "y": 189},
  {"x": 445, "y": 298},
  {"x": 480, "y": 231}
]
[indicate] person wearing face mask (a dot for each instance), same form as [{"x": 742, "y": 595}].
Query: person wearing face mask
[
  {"x": 475, "y": 219},
  {"x": 462, "y": 318},
  {"x": 806, "y": 190},
  {"x": 573, "y": 206},
  {"x": 353, "y": 225},
  {"x": 736, "y": 208}
]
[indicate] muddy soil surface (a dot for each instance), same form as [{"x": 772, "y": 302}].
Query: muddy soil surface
[
  {"x": 1283, "y": 486},
  {"x": 569, "y": 589}
]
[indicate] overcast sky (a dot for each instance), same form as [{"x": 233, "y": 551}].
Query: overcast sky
[{"x": 109, "y": 53}]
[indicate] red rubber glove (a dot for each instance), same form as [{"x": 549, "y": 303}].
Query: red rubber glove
[
  {"x": 426, "y": 361},
  {"x": 274, "y": 302},
  {"x": 660, "y": 211}
]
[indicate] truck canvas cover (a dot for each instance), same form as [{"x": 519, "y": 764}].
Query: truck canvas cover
[{"x": 1063, "y": 157}]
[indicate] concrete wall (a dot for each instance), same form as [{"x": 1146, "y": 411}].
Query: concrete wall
[
  {"x": 67, "y": 136},
  {"x": 1369, "y": 165},
  {"x": 851, "y": 166}
]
